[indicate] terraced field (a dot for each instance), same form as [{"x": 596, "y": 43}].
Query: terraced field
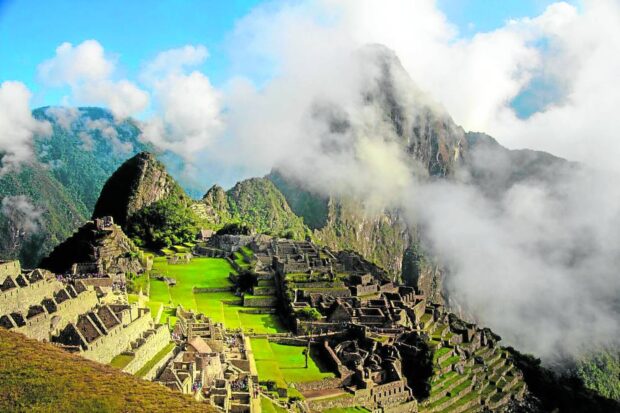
[
  {"x": 285, "y": 364},
  {"x": 221, "y": 306},
  {"x": 465, "y": 385}
]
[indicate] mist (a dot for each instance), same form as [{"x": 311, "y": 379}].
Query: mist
[{"x": 533, "y": 257}]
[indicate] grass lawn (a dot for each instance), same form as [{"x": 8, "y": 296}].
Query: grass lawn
[
  {"x": 205, "y": 273},
  {"x": 355, "y": 409},
  {"x": 121, "y": 361},
  {"x": 285, "y": 364},
  {"x": 267, "y": 406}
]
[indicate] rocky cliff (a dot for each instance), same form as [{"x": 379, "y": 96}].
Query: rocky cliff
[{"x": 137, "y": 183}]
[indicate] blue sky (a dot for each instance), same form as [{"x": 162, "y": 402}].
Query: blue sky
[{"x": 135, "y": 31}]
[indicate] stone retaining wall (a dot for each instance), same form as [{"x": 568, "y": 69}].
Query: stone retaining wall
[
  {"x": 201, "y": 290},
  {"x": 260, "y": 301},
  {"x": 153, "y": 344}
]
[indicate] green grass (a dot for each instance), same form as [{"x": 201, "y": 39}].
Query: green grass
[
  {"x": 441, "y": 352},
  {"x": 354, "y": 409},
  {"x": 205, "y": 273},
  {"x": 156, "y": 359},
  {"x": 121, "y": 361},
  {"x": 267, "y": 406},
  {"x": 285, "y": 364},
  {"x": 38, "y": 377}
]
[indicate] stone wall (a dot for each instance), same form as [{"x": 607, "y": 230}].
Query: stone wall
[
  {"x": 160, "y": 366},
  {"x": 260, "y": 301},
  {"x": 20, "y": 298},
  {"x": 9, "y": 268},
  {"x": 156, "y": 341},
  {"x": 118, "y": 339},
  {"x": 324, "y": 384}
]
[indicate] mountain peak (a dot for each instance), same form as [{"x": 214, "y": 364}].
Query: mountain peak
[{"x": 137, "y": 183}]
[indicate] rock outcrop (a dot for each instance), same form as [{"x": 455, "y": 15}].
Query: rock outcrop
[{"x": 139, "y": 182}]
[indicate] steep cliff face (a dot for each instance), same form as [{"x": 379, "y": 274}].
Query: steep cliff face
[
  {"x": 426, "y": 132},
  {"x": 139, "y": 182}
]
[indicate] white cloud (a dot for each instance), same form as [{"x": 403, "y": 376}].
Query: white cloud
[
  {"x": 187, "y": 107},
  {"x": 72, "y": 65},
  {"x": 174, "y": 61},
  {"x": 123, "y": 98},
  {"x": 87, "y": 70},
  {"x": 64, "y": 116},
  {"x": 24, "y": 218},
  {"x": 108, "y": 131},
  {"x": 583, "y": 57},
  {"x": 17, "y": 126}
]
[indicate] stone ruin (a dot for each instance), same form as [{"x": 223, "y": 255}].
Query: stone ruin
[
  {"x": 215, "y": 365},
  {"x": 75, "y": 315},
  {"x": 391, "y": 349}
]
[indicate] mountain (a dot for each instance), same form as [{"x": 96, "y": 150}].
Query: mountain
[
  {"x": 137, "y": 183},
  {"x": 47, "y": 200},
  {"x": 39, "y": 377},
  {"x": 257, "y": 203}
]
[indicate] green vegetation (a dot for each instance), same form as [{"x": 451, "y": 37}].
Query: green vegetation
[
  {"x": 135, "y": 283},
  {"x": 156, "y": 359},
  {"x": 163, "y": 224},
  {"x": 308, "y": 313},
  {"x": 121, "y": 361},
  {"x": 267, "y": 406},
  {"x": 223, "y": 306},
  {"x": 601, "y": 372},
  {"x": 355, "y": 409},
  {"x": 40, "y": 378},
  {"x": 257, "y": 203},
  {"x": 285, "y": 364}
]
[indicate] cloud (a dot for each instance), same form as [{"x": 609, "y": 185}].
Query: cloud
[
  {"x": 64, "y": 116},
  {"x": 72, "y": 65},
  {"x": 88, "y": 72},
  {"x": 174, "y": 61},
  {"x": 186, "y": 105},
  {"x": 535, "y": 260},
  {"x": 582, "y": 59},
  {"x": 108, "y": 131},
  {"x": 17, "y": 127},
  {"x": 123, "y": 98},
  {"x": 24, "y": 218}
]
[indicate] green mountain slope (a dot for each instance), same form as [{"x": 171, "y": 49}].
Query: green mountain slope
[
  {"x": 59, "y": 190},
  {"x": 37, "y": 377},
  {"x": 257, "y": 203}
]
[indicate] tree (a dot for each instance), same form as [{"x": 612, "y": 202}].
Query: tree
[{"x": 162, "y": 224}]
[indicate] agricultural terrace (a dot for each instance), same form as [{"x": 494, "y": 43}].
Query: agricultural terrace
[
  {"x": 284, "y": 364},
  {"x": 221, "y": 306}
]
